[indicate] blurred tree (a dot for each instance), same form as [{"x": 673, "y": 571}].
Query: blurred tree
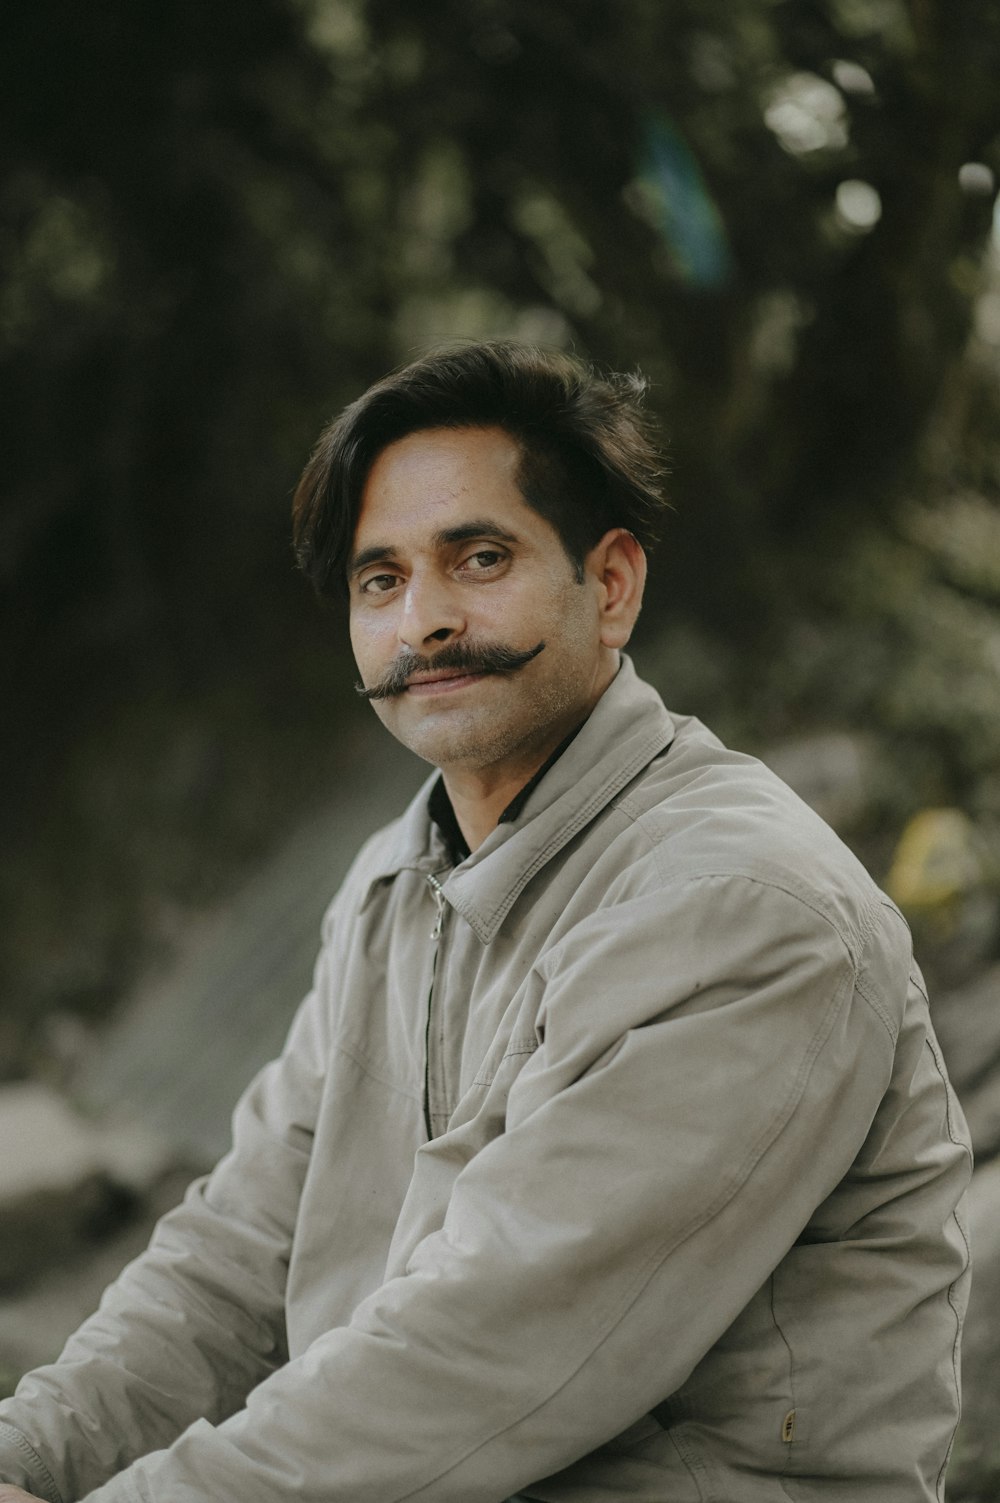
[
  {"x": 217, "y": 224},
  {"x": 783, "y": 214},
  {"x": 184, "y": 289},
  {"x": 800, "y": 356}
]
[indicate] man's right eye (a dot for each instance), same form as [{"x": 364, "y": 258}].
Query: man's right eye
[{"x": 378, "y": 584}]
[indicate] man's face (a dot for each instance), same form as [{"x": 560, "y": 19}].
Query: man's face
[{"x": 453, "y": 575}]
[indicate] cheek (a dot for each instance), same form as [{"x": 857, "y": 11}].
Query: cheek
[
  {"x": 357, "y": 642},
  {"x": 574, "y": 616},
  {"x": 371, "y": 639},
  {"x": 532, "y": 608}
]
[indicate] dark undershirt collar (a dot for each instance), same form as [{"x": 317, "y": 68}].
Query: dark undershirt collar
[{"x": 443, "y": 815}]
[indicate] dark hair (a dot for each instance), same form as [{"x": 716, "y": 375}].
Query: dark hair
[{"x": 588, "y": 461}]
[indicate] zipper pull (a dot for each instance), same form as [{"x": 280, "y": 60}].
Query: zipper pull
[{"x": 438, "y": 891}]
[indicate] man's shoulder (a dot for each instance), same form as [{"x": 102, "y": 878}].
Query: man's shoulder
[{"x": 705, "y": 810}]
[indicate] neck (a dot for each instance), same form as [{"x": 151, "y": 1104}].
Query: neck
[{"x": 479, "y": 799}]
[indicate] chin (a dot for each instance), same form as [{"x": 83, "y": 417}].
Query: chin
[
  {"x": 447, "y": 745},
  {"x": 436, "y": 744}
]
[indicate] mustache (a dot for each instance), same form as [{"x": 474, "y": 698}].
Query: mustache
[{"x": 470, "y": 657}]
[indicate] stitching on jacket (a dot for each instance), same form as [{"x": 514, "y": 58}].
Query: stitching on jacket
[
  {"x": 514, "y": 1049},
  {"x": 957, "y": 1138},
  {"x": 374, "y": 1071},
  {"x": 869, "y": 916},
  {"x": 693, "y": 1463},
  {"x": 890, "y": 1027},
  {"x": 882, "y": 906},
  {"x": 959, "y": 1142},
  {"x": 35, "y": 1462},
  {"x": 851, "y": 940},
  {"x": 520, "y": 1046},
  {"x": 956, "y": 1368},
  {"x": 792, "y": 1404},
  {"x": 861, "y": 981},
  {"x": 735, "y": 874},
  {"x": 956, "y": 1357}
]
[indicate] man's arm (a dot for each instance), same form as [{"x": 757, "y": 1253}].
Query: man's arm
[
  {"x": 664, "y": 1148},
  {"x": 197, "y": 1321}
]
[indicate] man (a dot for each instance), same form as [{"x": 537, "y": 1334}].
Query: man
[{"x": 612, "y": 1155}]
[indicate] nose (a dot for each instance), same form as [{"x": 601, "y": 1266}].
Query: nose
[{"x": 432, "y": 611}]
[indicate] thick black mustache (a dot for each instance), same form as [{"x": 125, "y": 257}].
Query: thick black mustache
[{"x": 472, "y": 657}]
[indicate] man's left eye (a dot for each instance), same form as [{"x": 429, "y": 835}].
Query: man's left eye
[{"x": 484, "y": 558}]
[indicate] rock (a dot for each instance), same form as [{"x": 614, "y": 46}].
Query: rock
[{"x": 63, "y": 1181}]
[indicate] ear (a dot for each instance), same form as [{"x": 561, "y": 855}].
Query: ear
[{"x": 618, "y": 565}]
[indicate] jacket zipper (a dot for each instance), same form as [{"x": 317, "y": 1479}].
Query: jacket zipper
[{"x": 438, "y": 892}]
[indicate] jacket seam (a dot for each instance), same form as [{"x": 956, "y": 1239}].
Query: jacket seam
[
  {"x": 957, "y": 1138},
  {"x": 36, "y": 1464},
  {"x": 956, "y": 1368},
  {"x": 736, "y": 875},
  {"x": 877, "y": 1009},
  {"x": 807, "y": 898},
  {"x": 694, "y": 1463},
  {"x": 515, "y": 1050},
  {"x": 921, "y": 988},
  {"x": 793, "y": 1405},
  {"x": 957, "y": 1343},
  {"x": 866, "y": 931},
  {"x": 374, "y": 1072}
]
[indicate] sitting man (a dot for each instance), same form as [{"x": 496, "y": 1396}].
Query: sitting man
[{"x": 611, "y": 1155}]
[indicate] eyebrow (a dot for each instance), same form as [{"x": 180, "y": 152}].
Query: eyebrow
[{"x": 464, "y": 532}]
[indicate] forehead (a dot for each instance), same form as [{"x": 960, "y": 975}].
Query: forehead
[{"x": 422, "y": 482}]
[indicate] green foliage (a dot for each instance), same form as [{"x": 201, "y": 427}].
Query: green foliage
[{"x": 217, "y": 224}]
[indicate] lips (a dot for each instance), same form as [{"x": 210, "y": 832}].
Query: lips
[
  {"x": 441, "y": 683},
  {"x": 416, "y": 680}
]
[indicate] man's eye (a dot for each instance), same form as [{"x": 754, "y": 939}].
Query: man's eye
[
  {"x": 378, "y": 584},
  {"x": 483, "y": 558}
]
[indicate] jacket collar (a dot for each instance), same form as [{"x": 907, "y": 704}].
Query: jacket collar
[{"x": 627, "y": 728}]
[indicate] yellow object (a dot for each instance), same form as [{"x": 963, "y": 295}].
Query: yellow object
[{"x": 936, "y": 861}]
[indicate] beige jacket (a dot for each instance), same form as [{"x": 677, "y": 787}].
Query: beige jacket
[{"x": 684, "y": 1227}]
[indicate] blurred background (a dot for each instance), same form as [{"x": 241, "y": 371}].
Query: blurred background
[{"x": 218, "y": 223}]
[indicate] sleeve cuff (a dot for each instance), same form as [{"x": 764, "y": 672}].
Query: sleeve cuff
[{"x": 33, "y": 1473}]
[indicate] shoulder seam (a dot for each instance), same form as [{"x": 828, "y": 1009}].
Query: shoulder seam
[
  {"x": 868, "y": 916},
  {"x": 735, "y": 874}
]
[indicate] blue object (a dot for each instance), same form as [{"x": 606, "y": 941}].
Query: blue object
[{"x": 677, "y": 202}]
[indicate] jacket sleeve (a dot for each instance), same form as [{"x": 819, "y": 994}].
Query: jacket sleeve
[
  {"x": 197, "y": 1321},
  {"x": 709, "y": 1067}
]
